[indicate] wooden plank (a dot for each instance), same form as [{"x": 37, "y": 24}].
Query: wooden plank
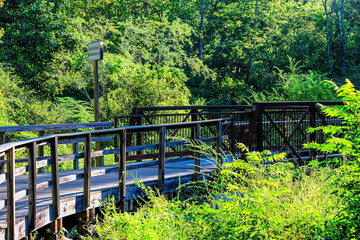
[
  {"x": 196, "y": 134},
  {"x": 122, "y": 168},
  {"x": 219, "y": 145},
  {"x": 87, "y": 171},
  {"x": 55, "y": 177},
  {"x": 11, "y": 211},
  {"x": 3, "y": 141},
  {"x": 56, "y": 127},
  {"x": 161, "y": 163},
  {"x": 32, "y": 187}
]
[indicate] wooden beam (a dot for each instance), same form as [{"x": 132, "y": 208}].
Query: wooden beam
[
  {"x": 161, "y": 166},
  {"x": 11, "y": 211},
  {"x": 87, "y": 171},
  {"x": 32, "y": 187},
  {"x": 122, "y": 169},
  {"x": 55, "y": 177}
]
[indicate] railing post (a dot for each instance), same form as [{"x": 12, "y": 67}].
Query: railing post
[
  {"x": 122, "y": 168},
  {"x": 32, "y": 187},
  {"x": 219, "y": 144},
  {"x": 139, "y": 136},
  {"x": 196, "y": 133},
  {"x": 3, "y": 140},
  {"x": 161, "y": 166},
  {"x": 194, "y": 116},
  {"x": 312, "y": 110},
  {"x": 259, "y": 129},
  {"x": 41, "y": 151},
  {"x": 75, "y": 151},
  {"x": 11, "y": 193},
  {"x": 233, "y": 142},
  {"x": 87, "y": 171},
  {"x": 57, "y": 222}
]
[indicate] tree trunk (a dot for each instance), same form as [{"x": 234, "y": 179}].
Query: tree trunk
[
  {"x": 201, "y": 29},
  {"x": 342, "y": 38},
  {"x": 328, "y": 37}
]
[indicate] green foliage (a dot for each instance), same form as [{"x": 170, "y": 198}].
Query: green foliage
[
  {"x": 345, "y": 139},
  {"x": 130, "y": 84},
  {"x": 247, "y": 200},
  {"x": 297, "y": 86}
]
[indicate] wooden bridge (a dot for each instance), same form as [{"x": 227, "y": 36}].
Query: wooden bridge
[{"x": 49, "y": 178}]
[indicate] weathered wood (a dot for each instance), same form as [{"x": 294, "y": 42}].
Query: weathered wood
[
  {"x": 32, "y": 187},
  {"x": 87, "y": 171},
  {"x": 41, "y": 151},
  {"x": 75, "y": 147},
  {"x": 161, "y": 164},
  {"x": 122, "y": 168},
  {"x": 219, "y": 145},
  {"x": 55, "y": 127},
  {"x": 196, "y": 134},
  {"x": 11, "y": 194},
  {"x": 3, "y": 141},
  {"x": 55, "y": 177}
]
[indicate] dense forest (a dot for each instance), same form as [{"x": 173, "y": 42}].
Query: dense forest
[{"x": 162, "y": 52}]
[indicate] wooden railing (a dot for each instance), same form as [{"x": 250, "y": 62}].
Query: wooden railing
[
  {"x": 271, "y": 126},
  {"x": 274, "y": 126},
  {"x": 167, "y": 137},
  {"x": 47, "y": 129}
]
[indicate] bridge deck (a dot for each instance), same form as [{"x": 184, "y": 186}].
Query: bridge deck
[{"x": 102, "y": 186}]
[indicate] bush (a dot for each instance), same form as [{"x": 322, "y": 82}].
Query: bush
[
  {"x": 248, "y": 200},
  {"x": 345, "y": 139}
]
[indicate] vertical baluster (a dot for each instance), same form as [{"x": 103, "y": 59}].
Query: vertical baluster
[
  {"x": 41, "y": 151},
  {"x": 219, "y": 144},
  {"x": 232, "y": 134},
  {"x": 161, "y": 167},
  {"x": 55, "y": 177},
  {"x": 196, "y": 136},
  {"x": 122, "y": 168},
  {"x": 75, "y": 151},
  {"x": 32, "y": 186},
  {"x": 87, "y": 170},
  {"x": 11, "y": 193},
  {"x": 3, "y": 140},
  {"x": 139, "y": 136}
]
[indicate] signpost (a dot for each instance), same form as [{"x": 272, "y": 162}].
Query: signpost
[{"x": 95, "y": 54}]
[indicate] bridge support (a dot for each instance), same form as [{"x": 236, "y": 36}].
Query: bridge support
[
  {"x": 84, "y": 219},
  {"x": 54, "y": 230}
]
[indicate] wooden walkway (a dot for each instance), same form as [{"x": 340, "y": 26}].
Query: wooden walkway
[
  {"x": 104, "y": 184},
  {"x": 158, "y": 155},
  {"x": 30, "y": 200}
]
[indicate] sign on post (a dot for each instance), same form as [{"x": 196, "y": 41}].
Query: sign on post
[
  {"x": 95, "y": 54},
  {"x": 95, "y": 51}
]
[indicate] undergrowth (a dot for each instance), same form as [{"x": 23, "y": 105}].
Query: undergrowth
[{"x": 247, "y": 199}]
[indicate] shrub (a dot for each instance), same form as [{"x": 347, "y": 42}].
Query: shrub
[{"x": 345, "y": 139}]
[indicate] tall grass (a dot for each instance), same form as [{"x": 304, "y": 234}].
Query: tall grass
[{"x": 244, "y": 201}]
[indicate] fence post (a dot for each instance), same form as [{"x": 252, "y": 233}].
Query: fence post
[
  {"x": 87, "y": 171},
  {"x": 196, "y": 133},
  {"x": 122, "y": 168},
  {"x": 312, "y": 110},
  {"x": 232, "y": 148},
  {"x": 10, "y": 177},
  {"x": 219, "y": 145},
  {"x": 3, "y": 140},
  {"x": 161, "y": 166},
  {"x": 57, "y": 223},
  {"x": 259, "y": 128},
  {"x": 41, "y": 152},
  {"x": 139, "y": 136},
  {"x": 75, "y": 151},
  {"x": 32, "y": 186}
]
